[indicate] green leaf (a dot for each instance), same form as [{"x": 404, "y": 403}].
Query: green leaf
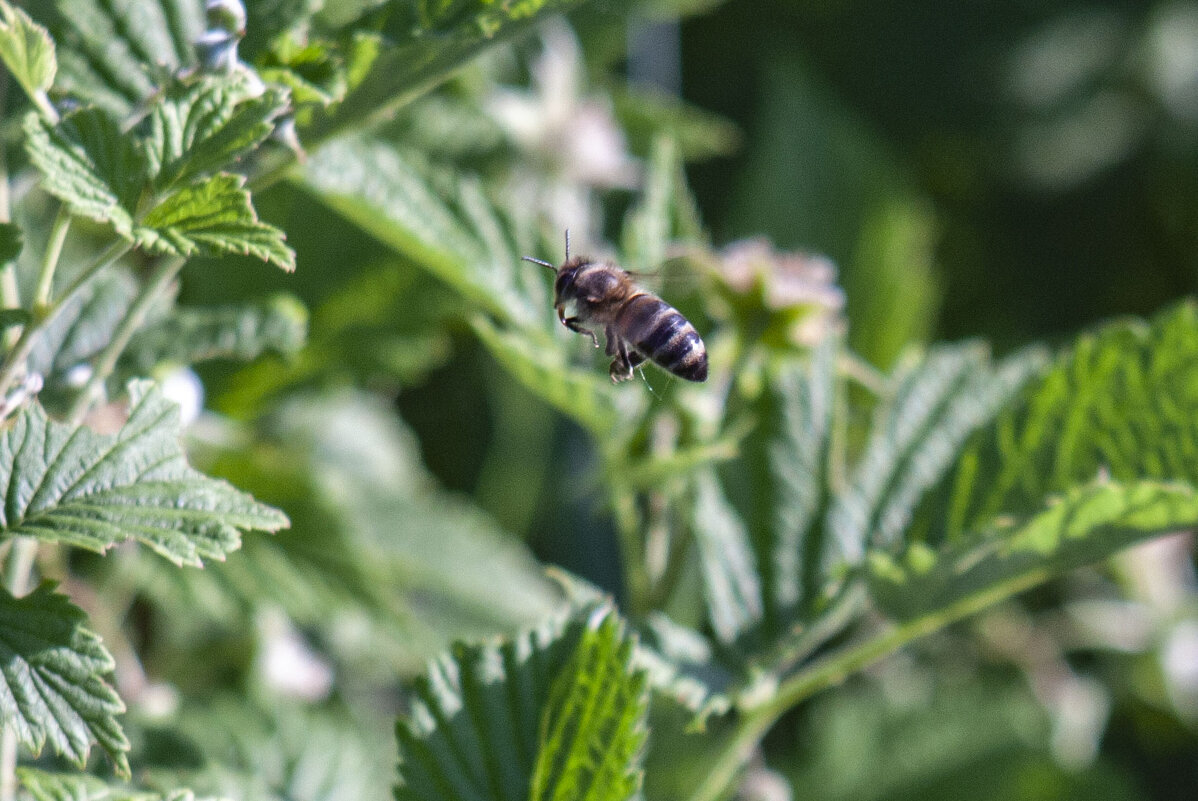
[
  {"x": 1118, "y": 403},
  {"x": 936, "y": 404},
  {"x": 204, "y": 127},
  {"x": 45, "y": 786},
  {"x": 89, "y": 164},
  {"x": 386, "y": 566},
  {"x": 72, "y": 485},
  {"x": 488, "y": 716},
  {"x": 593, "y": 728},
  {"x": 401, "y": 73},
  {"x": 213, "y": 218},
  {"x": 277, "y": 324},
  {"x": 51, "y": 667},
  {"x": 1086, "y": 525},
  {"x": 27, "y": 50},
  {"x": 731, "y": 580},
  {"x": 111, "y": 53}
]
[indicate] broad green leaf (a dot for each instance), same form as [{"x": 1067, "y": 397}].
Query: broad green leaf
[
  {"x": 90, "y": 164},
  {"x": 72, "y": 485},
  {"x": 447, "y": 40},
  {"x": 212, "y": 218},
  {"x": 45, "y": 786},
  {"x": 11, "y": 317},
  {"x": 936, "y": 404},
  {"x": 202, "y": 128},
  {"x": 377, "y": 188},
  {"x": 51, "y": 668},
  {"x": 27, "y": 50},
  {"x": 1119, "y": 403},
  {"x": 188, "y": 335},
  {"x": 593, "y": 727},
  {"x": 110, "y": 53},
  {"x": 479, "y": 724},
  {"x": 1085, "y": 525}
]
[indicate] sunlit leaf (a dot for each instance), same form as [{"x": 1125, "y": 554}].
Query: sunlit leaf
[
  {"x": 68, "y": 484},
  {"x": 27, "y": 50},
  {"x": 213, "y": 218},
  {"x": 45, "y": 786},
  {"x": 51, "y": 670}
]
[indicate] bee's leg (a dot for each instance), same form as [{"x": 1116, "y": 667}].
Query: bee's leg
[
  {"x": 621, "y": 366},
  {"x": 612, "y": 339},
  {"x": 573, "y": 323}
]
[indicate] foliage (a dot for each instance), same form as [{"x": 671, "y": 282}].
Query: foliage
[{"x": 838, "y": 489}]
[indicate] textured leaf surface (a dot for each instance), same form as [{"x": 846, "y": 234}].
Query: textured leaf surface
[
  {"x": 593, "y": 727},
  {"x": 1085, "y": 526},
  {"x": 73, "y": 485},
  {"x": 213, "y": 218},
  {"x": 480, "y": 721},
  {"x": 189, "y": 335},
  {"x": 52, "y": 687},
  {"x": 204, "y": 127},
  {"x": 108, "y": 52},
  {"x": 1119, "y": 404},
  {"x": 45, "y": 786},
  {"x": 731, "y": 580},
  {"x": 27, "y": 50},
  {"x": 937, "y": 403},
  {"x": 89, "y": 164}
]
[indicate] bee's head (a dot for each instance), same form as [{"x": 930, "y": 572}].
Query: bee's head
[{"x": 564, "y": 285}]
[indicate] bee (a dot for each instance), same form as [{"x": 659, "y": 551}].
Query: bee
[{"x": 637, "y": 324}]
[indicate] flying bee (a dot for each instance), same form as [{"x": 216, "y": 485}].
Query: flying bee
[{"x": 637, "y": 324}]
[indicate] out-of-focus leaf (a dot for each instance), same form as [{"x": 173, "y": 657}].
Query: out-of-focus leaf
[
  {"x": 665, "y": 212},
  {"x": 1118, "y": 403},
  {"x": 213, "y": 218},
  {"x": 109, "y": 52},
  {"x": 11, "y": 241},
  {"x": 699, "y": 134},
  {"x": 202, "y": 128},
  {"x": 448, "y": 37},
  {"x": 45, "y": 786},
  {"x": 52, "y": 690},
  {"x": 731, "y": 578},
  {"x": 27, "y": 50},
  {"x": 187, "y": 335},
  {"x": 1086, "y": 525},
  {"x": 937, "y": 402},
  {"x": 510, "y": 705},
  {"x": 68, "y": 484},
  {"x": 88, "y": 163}
]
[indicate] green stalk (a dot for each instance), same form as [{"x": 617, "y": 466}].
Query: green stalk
[
  {"x": 837, "y": 667},
  {"x": 106, "y": 359},
  {"x": 14, "y": 362},
  {"x": 45, "y": 279}
]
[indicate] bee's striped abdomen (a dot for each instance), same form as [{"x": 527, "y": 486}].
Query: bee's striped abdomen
[{"x": 660, "y": 332}]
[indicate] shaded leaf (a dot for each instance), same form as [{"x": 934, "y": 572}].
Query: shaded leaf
[
  {"x": 52, "y": 687},
  {"x": 72, "y": 485},
  {"x": 213, "y": 218},
  {"x": 188, "y": 335},
  {"x": 45, "y": 786},
  {"x": 27, "y": 50},
  {"x": 89, "y": 164},
  {"x": 12, "y": 240},
  {"x": 936, "y": 404},
  {"x": 731, "y": 580}
]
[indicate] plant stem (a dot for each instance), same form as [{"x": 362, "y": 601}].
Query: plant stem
[
  {"x": 834, "y": 669},
  {"x": 106, "y": 359},
  {"x": 45, "y": 279},
  {"x": 15, "y": 360}
]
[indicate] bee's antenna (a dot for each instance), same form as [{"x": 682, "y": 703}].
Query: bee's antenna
[
  {"x": 567, "y": 244},
  {"x": 538, "y": 261}
]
